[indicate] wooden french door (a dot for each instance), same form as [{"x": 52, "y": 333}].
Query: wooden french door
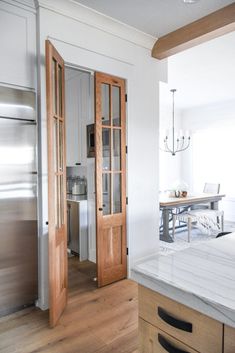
[
  {"x": 58, "y": 271},
  {"x": 110, "y": 137}
]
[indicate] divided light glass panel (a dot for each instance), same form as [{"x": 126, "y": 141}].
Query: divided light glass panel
[
  {"x": 116, "y": 149},
  {"x": 106, "y": 187},
  {"x": 116, "y": 106},
  {"x": 61, "y": 147},
  {"x": 105, "y": 104},
  {"x": 117, "y": 202},
  {"x": 55, "y": 138},
  {"x": 54, "y": 86},
  {"x": 60, "y": 90},
  {"x": 106, "y": 147}
]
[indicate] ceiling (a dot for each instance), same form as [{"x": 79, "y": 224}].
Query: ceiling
[
  {"x": 155, "y": 17},
  {"x": 205, "y": 74}
]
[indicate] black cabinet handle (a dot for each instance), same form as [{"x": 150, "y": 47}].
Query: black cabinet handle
[
  {"x": 100, "y": 209},
  {"x": 168, "y": 346},
  {"x": 172, "y": 321},
  {"x": 77, "y": 163}
]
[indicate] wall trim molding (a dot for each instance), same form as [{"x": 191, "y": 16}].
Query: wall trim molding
[
  {"x": 89, "y": 50},
  {"x": 92, "y": 18},
  {"x": 28, "y": 5}
]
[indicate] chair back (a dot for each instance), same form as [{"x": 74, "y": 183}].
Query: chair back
[{"x": 210, "y": 188}]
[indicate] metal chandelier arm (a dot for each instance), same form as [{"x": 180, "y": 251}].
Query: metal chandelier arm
[{"x": 178, "y": 145}]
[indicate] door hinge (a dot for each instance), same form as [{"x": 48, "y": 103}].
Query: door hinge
[
  {"x": 127, "y": 251},
  {"x": 125, "y": 97},
  {"x": 126, "y": 149},
  {"x": 126, "y": 200}
]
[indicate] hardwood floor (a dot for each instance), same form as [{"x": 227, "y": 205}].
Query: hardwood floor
[{"x": 95, "y": 321}]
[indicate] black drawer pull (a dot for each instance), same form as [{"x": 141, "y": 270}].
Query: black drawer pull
[
  {"x": 168, "y": 346},
  {"x": 172, "y": 321}
]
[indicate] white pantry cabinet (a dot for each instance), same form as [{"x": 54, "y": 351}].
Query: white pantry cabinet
[
  {"x": 77, "y": 93},
  {"x": 18, "y": 45}
]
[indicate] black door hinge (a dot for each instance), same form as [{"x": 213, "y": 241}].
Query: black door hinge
[
  {"x": 126, "y": 200},
  {"x": 127, "y": 251},
  {"x": 126, "y": 149},
  {"x": 125, "y": 97}
]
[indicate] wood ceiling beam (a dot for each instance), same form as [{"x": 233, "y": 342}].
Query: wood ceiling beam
[{"x": 206, "y": 28}]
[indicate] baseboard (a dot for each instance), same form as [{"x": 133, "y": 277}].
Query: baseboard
[{"x": 92, "y": 255}]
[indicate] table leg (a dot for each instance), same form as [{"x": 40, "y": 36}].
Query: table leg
[
  {"x": 214, "y": 205},
  {"x": 165, "y": 236}
]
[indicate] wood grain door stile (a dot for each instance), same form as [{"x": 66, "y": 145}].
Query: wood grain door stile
[
  {"x": 57, "y": 214},
  {"x": 110, "y": 139}
]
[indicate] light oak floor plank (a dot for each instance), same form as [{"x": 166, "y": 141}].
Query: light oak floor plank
[{"x": 95, "y": 321}]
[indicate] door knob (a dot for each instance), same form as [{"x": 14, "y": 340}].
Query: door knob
[{"x": 100, "y": 209}]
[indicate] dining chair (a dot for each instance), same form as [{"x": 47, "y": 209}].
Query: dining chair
[
  {"x": 209, "y": 188},
  {"x": 205, "y": 219},
  {"x": 201, "y": 215}
]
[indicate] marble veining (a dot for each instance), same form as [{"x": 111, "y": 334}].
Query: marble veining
[{"x": 201, "y": 277}]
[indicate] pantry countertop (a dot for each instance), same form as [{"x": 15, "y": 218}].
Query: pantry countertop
[{"x": 76, "y": 198}]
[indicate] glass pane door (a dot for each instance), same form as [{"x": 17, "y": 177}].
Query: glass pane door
[
  {"x": 111, "y": 149},
  {"x": 110, "y": 178}
]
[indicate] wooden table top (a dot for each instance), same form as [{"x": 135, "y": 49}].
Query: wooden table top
[{"x": 190, "y": 199}]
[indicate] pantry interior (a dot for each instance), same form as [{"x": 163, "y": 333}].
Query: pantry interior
[{"x": 80, "y": 170}]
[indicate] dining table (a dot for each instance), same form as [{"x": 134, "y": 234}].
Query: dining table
[{"x": 169, "y": 204}]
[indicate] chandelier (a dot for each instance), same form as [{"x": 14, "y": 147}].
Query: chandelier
[{"x": 178, "y": 144}]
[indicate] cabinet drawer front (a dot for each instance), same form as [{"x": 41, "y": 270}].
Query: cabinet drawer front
[
  {"x": 187, "y": 325},
  {"x": 153, "y": 340},
  {"x": 229, "y": 339}
]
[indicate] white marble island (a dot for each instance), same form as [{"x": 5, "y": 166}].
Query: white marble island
[{"x": 201, "y": 278}]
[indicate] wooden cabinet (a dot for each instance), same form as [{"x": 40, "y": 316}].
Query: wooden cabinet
[
  {"x": 229, "y": 339},
  {"x": 179, "y": 327},
  {"x": 187, "y": 325},
  {"x": 77, "y": 227},
  {"x": 153, "y": 340}
]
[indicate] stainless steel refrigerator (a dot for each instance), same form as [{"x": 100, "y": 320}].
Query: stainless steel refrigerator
[{"x": 18, "y": 200}]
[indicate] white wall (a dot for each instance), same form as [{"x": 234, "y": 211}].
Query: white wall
[
  {"x": 90, "y": 40},
  {"x": 217, "y": 123},
  {"x": 169, "y": 166}
]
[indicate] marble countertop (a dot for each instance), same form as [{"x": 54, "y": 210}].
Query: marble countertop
[
  {"x": 76, "y": 198},
  {"x": 201, "y": 277}
]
